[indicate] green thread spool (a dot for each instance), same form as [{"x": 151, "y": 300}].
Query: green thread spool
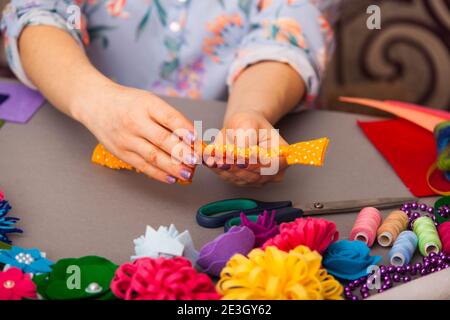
[{"x": 428, "y": 236}]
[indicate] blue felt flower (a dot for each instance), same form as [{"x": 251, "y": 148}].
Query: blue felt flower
[
  {"x": 349, "y": 260},
  {"x": 28, "y": 260}
]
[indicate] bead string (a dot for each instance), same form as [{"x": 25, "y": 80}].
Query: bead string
[{"x": 389, "y": 275}]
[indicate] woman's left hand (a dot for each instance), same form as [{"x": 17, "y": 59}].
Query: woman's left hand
[{"x": 248, "y": 129}]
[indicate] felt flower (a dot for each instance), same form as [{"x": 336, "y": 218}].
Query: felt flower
[
  {"x": 162, "y": 279},
  {"x": 28, "y": 260},
  {"x": 2, "y": 195},
  {"x": 165, "y": 242},
  {"x": 7, "y": 224},
  {"x": 316, "y": 234},
  {"x": 264, "y": 228},
  {"x": 215, "y": 254},
  {"x": 349, "y": 260},
  {"x": 271, "y": 274},
  {"x": 78, "y": 278},
  {"x": 16, "y": 285}
]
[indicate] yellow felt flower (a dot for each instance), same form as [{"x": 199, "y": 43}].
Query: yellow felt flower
[{"x": 272, "y": 274}]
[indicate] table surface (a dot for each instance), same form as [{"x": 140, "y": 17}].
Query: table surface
[{"x": 70, "y": 207}]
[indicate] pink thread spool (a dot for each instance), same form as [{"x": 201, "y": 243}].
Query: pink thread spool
[{"x": 366, "y": 226}]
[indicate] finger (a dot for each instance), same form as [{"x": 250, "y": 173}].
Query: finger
[
  {"x": 143, "y": 166},
  {"x": 168, "y": 141},
  {"x": 159, "y": 159},
  {"x": 174, "y": 120}
]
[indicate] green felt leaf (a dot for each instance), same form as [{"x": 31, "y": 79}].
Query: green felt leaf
[
  {"x": 92, "y": 269},
  {"x": 2, "y": 122}
]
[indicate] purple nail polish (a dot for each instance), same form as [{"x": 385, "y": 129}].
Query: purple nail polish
[
  {"x": 186, "y": 174},
  {"x": 171, "y": 179},
  {"x": 191, "y": 137},
  {"x": 242, "y": 165},
  {"x": 225, "y": 167},
  {"x": 191, "y": 159}
]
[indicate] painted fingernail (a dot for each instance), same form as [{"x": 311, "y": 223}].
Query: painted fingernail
[
  {"x": 242, "y": 165},
  {"x": 171, "y": 179},
  {"x": 191, "y": 159},
  {"x": 210, "y": 162},
  {"x": 225, "y": 167},
  {"x": 191, "y": 137},
  {"x": 186, "y": 174}
]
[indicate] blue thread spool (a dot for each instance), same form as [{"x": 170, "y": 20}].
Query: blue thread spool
[
  {"x": 403, "y": 248},
  {"x": 442, "y": 136}
]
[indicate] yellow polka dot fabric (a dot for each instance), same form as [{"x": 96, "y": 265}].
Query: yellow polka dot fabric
[
  {"x": 103, "y": 157},
  {"x": 311, "y": 153}
]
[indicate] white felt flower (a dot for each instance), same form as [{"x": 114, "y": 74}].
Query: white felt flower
[{"x": 165, "y": 242}]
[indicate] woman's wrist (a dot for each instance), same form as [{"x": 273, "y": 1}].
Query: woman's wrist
[{"x": 90, "y": 93}]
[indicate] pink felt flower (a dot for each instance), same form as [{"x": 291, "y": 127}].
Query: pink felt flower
[
  {"x": 316, "y": 234},
  {"x": 162, "y": 279},
  {"x": 16, "y": 285}
]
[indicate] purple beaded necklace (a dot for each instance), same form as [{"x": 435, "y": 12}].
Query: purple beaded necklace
[{"x": 389, "y": 275}]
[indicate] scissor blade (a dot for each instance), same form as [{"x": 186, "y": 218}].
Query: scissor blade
[{"x": 319, "y": 208}]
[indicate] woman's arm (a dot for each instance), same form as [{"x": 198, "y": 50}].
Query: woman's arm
[
  {"x": 269, "y": 88},
  {"x": 135, "y": 125}
]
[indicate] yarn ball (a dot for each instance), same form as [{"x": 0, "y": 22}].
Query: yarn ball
[
  {"x": 214, "y": 255},
  {"x": 162, "y": 279},
  {"x": 272, "y": 274},
  {"x": 349, "y": 260},
  {"x": 442, "y": 135},
  {"x": 264, "y": 228},
  {"x": 316, "y": 234}
]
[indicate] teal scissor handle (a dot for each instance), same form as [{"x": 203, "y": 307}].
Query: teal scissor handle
[{"x": 216, "y": 214}]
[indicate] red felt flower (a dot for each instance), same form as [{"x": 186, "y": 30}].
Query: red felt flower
[
  {"x": 16, "y": 285},
  {"x": 316, "y": 234},
  {"x": 162, "y": 279}
]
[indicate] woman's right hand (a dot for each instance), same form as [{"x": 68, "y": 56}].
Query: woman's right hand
[{"x": 142, "y": 130}]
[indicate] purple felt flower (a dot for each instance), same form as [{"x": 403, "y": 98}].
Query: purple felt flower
[
  {"x": 264, "y": 228},
  {"x": 215, "y": 254}
]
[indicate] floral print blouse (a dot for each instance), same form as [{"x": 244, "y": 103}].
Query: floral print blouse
[{"x": 187, "y": 48}]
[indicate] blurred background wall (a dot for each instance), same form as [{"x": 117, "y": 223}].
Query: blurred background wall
[{"x": 407, "y": 59}]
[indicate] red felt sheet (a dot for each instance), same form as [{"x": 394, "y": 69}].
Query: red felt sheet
[{"x": 410, "y": 150}]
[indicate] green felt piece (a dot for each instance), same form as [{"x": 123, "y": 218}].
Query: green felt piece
[
  {"x": 4, "y": 246},
  {"x": 92, "y": 269},
  {"x": 2, "y": 122}
]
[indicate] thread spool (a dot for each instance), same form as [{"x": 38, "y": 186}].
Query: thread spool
[
  {"x": 444, "y": 234},
  {"x": 396, "y": 222},
  {"x": 366, "y": 226},
  {"x": 428, "y": 236},
  {"x": 403, "y": 248}
]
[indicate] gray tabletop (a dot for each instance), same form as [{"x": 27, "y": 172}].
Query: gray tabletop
[{"x": 70, "y": 207}]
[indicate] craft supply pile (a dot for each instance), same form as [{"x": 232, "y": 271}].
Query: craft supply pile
[{"x": 258, "y": 259}]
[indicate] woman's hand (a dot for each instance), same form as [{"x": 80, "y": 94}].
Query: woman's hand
[
  {"x": 142, "y": 130},
  {"x": 248, "y": 129}
]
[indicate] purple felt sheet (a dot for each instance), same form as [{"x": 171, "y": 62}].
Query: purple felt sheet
[{"x": 21, "y": 104}]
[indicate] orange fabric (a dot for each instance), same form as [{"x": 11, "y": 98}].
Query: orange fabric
[{"x": 310, "y": 153}]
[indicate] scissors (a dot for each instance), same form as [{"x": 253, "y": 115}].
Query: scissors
[{"x": 226, "y": 213}]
